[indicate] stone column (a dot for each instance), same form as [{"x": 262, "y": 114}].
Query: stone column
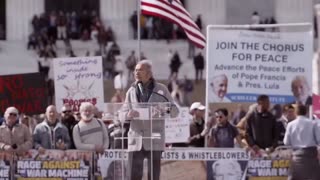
[
  {"x": 116, "y": 13},
  {"x": 19, "y": 14},
  {"x": 293, "y": 11},
  {"x": 212, "y": 11}
]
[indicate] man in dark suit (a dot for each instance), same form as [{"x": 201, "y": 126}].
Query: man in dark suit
[{"x": 145, "y": 92}]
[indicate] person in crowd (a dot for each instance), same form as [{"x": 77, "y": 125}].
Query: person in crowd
[
  {"x": 187, "y": 90},
  {"x": 77, "y": 116},
  {"x": 51, "y": 134},
  {"x": 134, "y": 24},
  {"x": 303, "y": 135},
  {"x": 191, "y": 49},
  {"x": 277, "y": 112},
  {"x": 146, "y": 90},
  {"x": 90, "y": 133},
  {"x": 120, "y": 85},
  {"x": 197, "y": 125},
  {"x": 223, "y": 134},
  {"x": 69, "y": 121},
  {"x": 199, "y": 22},
  {"x": 29, "y": 122},
  {"x": 61, "y": 26},
  {"x": 14, "y": 136},
  {"x": 238, "y": 115},
  {"x": 219, "y": 86},
  {"x": 198, "y": 62},
  {"x": 175, "y": 64},
  {"x": 288, "y": 114},
  {"x": 242, "y": 124},
  {"x": 261, "y": 127},
  {"x": 131, "y": 64},
  {"x": 255, "y": 18},
  {"x": 301, "y": 90}
]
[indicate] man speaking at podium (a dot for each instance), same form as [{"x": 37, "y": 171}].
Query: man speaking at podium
[{"x": 146, "y": 139}]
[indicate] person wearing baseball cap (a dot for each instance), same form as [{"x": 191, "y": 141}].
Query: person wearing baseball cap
[
  {"x": 197, "y": 125},
  {"x": 14, "y": 136}
]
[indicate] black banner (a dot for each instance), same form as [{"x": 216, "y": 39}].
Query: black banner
[{"x": 26, "y": 92}]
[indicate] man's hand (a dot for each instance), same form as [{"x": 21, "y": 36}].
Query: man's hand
[
  {"x": 99, "y": 149},
  {"x": 132, "y": 114},
  {"x": 41, "y": 150},
  {"x": 61, "y": 145}
]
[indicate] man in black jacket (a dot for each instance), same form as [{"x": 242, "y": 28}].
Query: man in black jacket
[
  {"x": 261, "y": 130},
  {"x": 69, "y": 121}
]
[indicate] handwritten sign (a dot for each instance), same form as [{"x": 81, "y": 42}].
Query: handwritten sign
[{"x": 78, "y": 80}]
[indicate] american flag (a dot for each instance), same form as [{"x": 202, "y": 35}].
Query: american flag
[{"x": 174, "y": 11}]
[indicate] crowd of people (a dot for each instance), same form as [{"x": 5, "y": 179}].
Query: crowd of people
[{"x": 260, "y": 129}]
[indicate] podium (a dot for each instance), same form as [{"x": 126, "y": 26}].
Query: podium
[{"x": 138, "y": 130}]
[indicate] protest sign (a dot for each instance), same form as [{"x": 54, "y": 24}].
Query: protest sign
[
  {"x": 178, "y": 129},
  {"x": 78, "y": 80},
  {"x": 268, "y": 169},
  {"x": 243, "y": 64},
  {"x": 26, "y": 92},
  {"x": 6, "y": 159},
  {"x": 112, "y": 164},
  {"x": 54, "y": 164}
]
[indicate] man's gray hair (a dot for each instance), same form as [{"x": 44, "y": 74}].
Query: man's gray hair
[
  {"x": 147, "y": 64},
  {"x": 85, "y": 105},
  {"x": 11, "y": 110}
]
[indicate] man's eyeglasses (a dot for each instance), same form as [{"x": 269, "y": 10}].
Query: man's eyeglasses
[
  {"x": 13, "y": 114},
  {"x": 66, "y": 112}
]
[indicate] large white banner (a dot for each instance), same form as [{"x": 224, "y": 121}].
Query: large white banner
[
  {"x": 78, "y": 80},
  {"x": 244, "y": 64}
]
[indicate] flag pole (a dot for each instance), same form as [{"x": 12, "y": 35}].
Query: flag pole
[{"x": 139, "y": 29}]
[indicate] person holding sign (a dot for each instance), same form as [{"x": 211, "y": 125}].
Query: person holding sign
[
  {"x": 51, "y": 134},
  {"x": 219, "y": 85},
  {"x": 301, "y": 90},
  {"x": 146, "y": 90},
  {"x": 14, "y": 137},
  {"x": 303, "y": 135}
]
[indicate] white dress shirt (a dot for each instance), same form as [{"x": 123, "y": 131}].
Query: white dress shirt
[{"x": 301, "y": 133}]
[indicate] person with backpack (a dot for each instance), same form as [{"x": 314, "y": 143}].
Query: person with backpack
[{"x": 90, "y": 133}]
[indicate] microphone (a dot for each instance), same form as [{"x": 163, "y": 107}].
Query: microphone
[{"x": 141, "y": 89}]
